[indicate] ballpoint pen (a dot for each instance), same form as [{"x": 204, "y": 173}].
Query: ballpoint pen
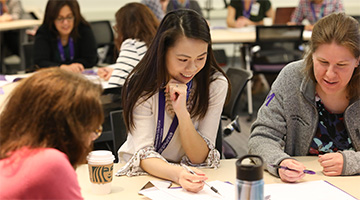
[
  {"x": 306, "y": 171},
  {"x": 192, "y": 172}
]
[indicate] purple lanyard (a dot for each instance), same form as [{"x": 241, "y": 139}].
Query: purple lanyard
[
  {"x": 161, "y": 146},
  {"x": 175, "y": 3},
  {"x": 321, "y": 11},
  {"x": 246, "y": 13},
  {"x": 62, "y": 52},
  {"x": 1, "y": 8}
]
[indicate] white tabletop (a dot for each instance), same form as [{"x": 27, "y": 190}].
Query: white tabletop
[
  {"x": 239, "y": 35},
  {"x": 19, "y": 24},
  {"x": 128, "y": 187}
]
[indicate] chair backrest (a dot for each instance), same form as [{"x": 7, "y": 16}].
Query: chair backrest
[
  {"x": 279, "y": 33},
  {"x": 104, "y": 37},
  {"x": 283, "y": 15},
  {"x": 118, "y": 130},
  {"x": 28, "y": 50},
  {"x": 238, "y": 78},
  {"x": 103, "y": 32}
]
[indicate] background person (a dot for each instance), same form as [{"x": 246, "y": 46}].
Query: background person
[
  {"x": 313, "y": 106},
  {"x": 187, "y": 4},
  {"x": 158, "y": 7},
  {"x": 135, "y": 29},
  {"x": 65, "y": 39},
  {"x": 314, "y": 10},
  {"x": 46, "y": 130},
  {"x": 10, "y": 10},
  {"x": 177, "y": 82},
  {"x": 248, "y": 12}
]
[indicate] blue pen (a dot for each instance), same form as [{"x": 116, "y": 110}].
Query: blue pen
[{"x": 306, "y": 171}]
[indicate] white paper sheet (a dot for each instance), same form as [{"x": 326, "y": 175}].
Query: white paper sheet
[
  {"x": 226, "y": 190},
  {"x": 319, "y": 190}
]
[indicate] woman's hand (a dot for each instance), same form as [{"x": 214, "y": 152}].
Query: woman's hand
[
  {"x": 332, "y": 163},
  {"x": 74, "y": 67},
  {"x": 289, "y": 175},
  {"x": 192, "y": 182},
  {"x": 105, "y": 73},
  {"x": 242, "y": 22},
  {"x": 177, "y": 93}
]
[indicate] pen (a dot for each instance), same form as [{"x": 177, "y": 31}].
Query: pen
[
  {"x": 306, "y": 171},
  {"x": 192, "y": 172}
]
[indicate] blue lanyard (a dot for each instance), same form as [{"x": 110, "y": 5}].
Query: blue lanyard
[
  {"x": 321, "y": 11},
  {"x": 175, "y": 3},
  {"x": 62, "y": 52},
  {"x": 161, "y": 146},
  {"x": 246, "y": 13}
]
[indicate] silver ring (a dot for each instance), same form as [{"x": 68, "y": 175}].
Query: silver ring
[{"x": 177, "y": 85}]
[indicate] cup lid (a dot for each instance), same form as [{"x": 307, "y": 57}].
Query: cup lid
[
  {"x": 100, "y": 156},
  {"x": 252, "y": 171}
]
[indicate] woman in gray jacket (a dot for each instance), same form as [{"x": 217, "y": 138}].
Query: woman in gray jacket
[{"x": 313, "y": 108}]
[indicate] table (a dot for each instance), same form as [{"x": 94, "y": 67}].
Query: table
[
  {"x": 6, "y": 89},
  {"x": 246, "y": 36},
  {"x": 127, "y": 187},
  {"x": 21, "y": 25}
]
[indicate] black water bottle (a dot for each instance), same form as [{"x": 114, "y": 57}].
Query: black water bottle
[{"x": 249, "y": 178}]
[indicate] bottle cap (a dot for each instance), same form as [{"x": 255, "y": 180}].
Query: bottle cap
[{"x": 249, "y": 171}]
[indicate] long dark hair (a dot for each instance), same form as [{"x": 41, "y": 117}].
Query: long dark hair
[
  {"x": 137, "y": 21},
  {"x": 52, "y": 11},
  {"x": 151, "y": 72},
  {"x": 53, "y": 108}
]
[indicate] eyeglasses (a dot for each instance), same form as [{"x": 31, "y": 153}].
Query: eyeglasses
[
  {"x": 98, "y": 132},
  {"x": 62, "y": 19}
]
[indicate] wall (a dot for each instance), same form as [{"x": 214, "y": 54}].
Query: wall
[{"x": 105, "y": 9}]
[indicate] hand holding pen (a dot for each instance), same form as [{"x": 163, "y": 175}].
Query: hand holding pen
[
  {"x": 291, "y": 170},
  {"x": 192, "y": 172}
]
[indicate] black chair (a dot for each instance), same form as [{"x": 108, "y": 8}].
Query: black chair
[
  {"x": 118, "y": 130},
  {"x": 111, "y": 101},
  {"x": 104, "y": 37},
  {"x": 238, "y": 78},
  {"x": 275, "y": 47},
  {"x": 28, "y": 49}
]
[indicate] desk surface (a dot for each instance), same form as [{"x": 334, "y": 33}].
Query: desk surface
[
  {"x": 127, "y": 187},
  {"x": 240, "y": 35},
  {"x": 19, "y": 24}
]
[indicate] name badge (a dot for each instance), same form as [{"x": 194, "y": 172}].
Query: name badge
[{"x": 255, "y": 8}]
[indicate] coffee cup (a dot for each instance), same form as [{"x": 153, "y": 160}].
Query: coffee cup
[
  {"x": 100, "y": 164},
  {"x": 268, "y": 21}
]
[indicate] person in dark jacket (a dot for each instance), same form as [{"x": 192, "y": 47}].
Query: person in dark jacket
[{"x": 65, "y": 39}]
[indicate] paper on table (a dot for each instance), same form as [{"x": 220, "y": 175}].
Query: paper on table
[
  {"x": 319, "y": 190},
  {"x": 225, "y": 189}
]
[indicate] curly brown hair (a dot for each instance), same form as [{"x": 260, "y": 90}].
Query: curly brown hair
[{"x": 53, "y": 108}]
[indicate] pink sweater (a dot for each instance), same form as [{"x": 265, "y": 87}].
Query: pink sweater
[{"x": 42, "y": 173}]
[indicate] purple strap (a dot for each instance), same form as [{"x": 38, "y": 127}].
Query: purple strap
[
  {"x": 246, "y": 13},
  {"x": 321, "y": 11},
  {"x": 175, "y": 3},
  {"x": 62, "y": 52},
  {"x": 1, "y": 9},
  {"x": 161, "y": 146}
]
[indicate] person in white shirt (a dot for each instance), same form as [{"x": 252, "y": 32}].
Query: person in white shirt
[
  {"x": 172, "y": 103},
  {"x": 135, "y": 28}
]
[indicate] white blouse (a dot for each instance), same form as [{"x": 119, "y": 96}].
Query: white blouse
[{"x": 140, "y": 142}]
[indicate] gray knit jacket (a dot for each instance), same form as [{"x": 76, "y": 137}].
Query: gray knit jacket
[{"x": 288, "y": 120}]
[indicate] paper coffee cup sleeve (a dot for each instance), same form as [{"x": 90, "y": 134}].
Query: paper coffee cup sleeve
[{"x": 101, "y": 174}]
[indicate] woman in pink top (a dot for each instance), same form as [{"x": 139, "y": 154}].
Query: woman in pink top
[{"x": 47, "y": 126}]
